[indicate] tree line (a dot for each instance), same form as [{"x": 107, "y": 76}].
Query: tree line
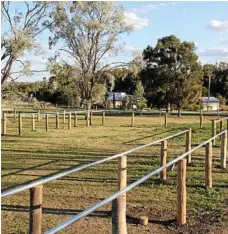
[{"x": 168, "y": 75}]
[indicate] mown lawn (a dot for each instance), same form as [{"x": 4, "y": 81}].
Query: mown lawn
[{"x": 37, "y": 153}]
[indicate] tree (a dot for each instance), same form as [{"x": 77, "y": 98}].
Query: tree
[
  {"x": 172, "y": 75},
  {"x": 20, "y": 32},
  {"x": 139, "y": 99},
  {"x": 90, "y": 31}
]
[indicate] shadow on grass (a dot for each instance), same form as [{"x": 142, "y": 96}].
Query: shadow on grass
[{"x": 103, "y": 214}]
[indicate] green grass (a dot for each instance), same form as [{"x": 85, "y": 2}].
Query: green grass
[{"x": 37, "y": 153}]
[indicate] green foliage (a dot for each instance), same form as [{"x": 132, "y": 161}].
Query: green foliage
[
  {"x": 140, "y": 101},
  {"x": 172, "y": 74}
]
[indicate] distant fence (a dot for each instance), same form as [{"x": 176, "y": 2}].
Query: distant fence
[{"x": 119, "y": 198}]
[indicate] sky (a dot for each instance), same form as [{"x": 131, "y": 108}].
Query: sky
[{"x": 205, "y": 23}]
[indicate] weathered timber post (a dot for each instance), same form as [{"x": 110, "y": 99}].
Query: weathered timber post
[
  {"x": 165, "y": 120},
  {"x": 163, "y": 156},
  {"x": 15, "y": 112},
  {"x": 188, "y": 145},
  {"x": 75, "y": 119},
  {"x": 69, "y": 121},
  {"x": 33, "y": 122},
  {"x": 20, "y": 124},
  {"x": 208, "y": 165},
  {"x": 57, "y": 120},
  {"x": 220, "y": 128},
  {"x": 91, "y": 116},
  {"x": 119, "y": 224},
  {"x": 213, "y": 131},
  {"x": 3, "y": 123},
  {"x": 201, "y": 120},
  {"x": 103, "y": 118},
  {"x": 87, "y": 119},
  {"x": 223, "y": 149},
  {"x": 46, "y": 123},
  {"x": 64, "y": 116},
  {"x": 133, "y": 119},
  {"x": 35, "y": 210},
  {"x": 227, "y": 125},
  {"x": 38, "y": 115},
  {"x": 181, "y": 192}
]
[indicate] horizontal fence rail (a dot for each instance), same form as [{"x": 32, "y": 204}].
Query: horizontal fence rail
[
  {"x": 23, "y": 187},
  {"x": 107, "y": 200}
]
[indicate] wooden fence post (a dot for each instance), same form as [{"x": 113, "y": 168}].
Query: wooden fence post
[
  {"x": 119, "y": 224},
  {"x": 3, "y": 123},
  {"x": 87, "y": 119},
  {"x": 103, "y": 118},
  {"x": 69, "y": 121},
  {"x": 208, "y": 165},
  {"x": 213, "y": 131},
  {"x": 64, "y": 116},
  {"x": 221, "y": 127},
  {"x": 188, "y": 145},
  {"x": 165, "y": 120},
  {"x": 201, "y": 120},
  {"x": 57, "y": 120},
  {"x": 33, "y": 122},
  {"x": 15, "y": 112},
  {"x": 91, "y": 116},
  {"x": 163, "y": 156},
  {"x": 181, "y": 192},
  {"x": 223, "y": 150},
  {"x": 35, "y": 210},
  {"x": 75, "y": 119},
  {"x": 133, "y": 119},
  {"x": 227, "y": 125},
  {"x": 38, "y": 115},
  {"x": 46, "y": 123},
  {"x": 20, "y": 124}
]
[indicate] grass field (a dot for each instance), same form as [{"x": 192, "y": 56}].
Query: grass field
[{"x": 37, "y": 153}]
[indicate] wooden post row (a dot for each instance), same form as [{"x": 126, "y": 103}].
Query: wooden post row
[
  {"x": 87, "y": 118},
  {"x": 57, "y": 120},
  {"x": 165, "y": 120},
  {"x": 208, "y": 165},
  {"x": 69, "y": 121},
  {"x": 103, "y": 118},
  {"x": 4, "y": 123},
  {"x": 75, "y": 119},
  {"x": 223, "y": 150},
  {"x": 133, "y": 119},
  {"x": 181, "y": 192},
  {"x": 188, "y": 145},
  {"x": 46, "y": 123},
  {"x": 119, "y": 224},
  {"x": 35, "y": 210},
  {"x": 20, "y": 124},
  {"x": 213, "y": 131},
  {"x": 163, "y": 156},
  {"x": 33, "y": 122}
]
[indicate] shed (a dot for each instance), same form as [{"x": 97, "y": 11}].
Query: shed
[{"x": 210, "y": 103}]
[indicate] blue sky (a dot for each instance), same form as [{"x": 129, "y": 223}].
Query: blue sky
[{"x": 205, "y": 23}]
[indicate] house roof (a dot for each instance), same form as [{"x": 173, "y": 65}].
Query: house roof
[
  {"x": 211, "y": 99},
  {"x": 117, "y": 96}
]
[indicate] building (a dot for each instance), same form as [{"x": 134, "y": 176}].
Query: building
[
  {"x": 119, "y": 100},
  {"x": 209, "y": 104}
]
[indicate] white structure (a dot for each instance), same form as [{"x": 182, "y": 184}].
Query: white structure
[{"x": 211, "y": 104}]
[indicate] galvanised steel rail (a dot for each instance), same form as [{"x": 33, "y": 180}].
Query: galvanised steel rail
[
  {"x": 219, "y": 120},
  {"x": 92, "y": 208},
  {"x": 22, "y": 187}
]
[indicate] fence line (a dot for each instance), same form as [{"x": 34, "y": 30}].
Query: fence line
[
  {"x": 182, "y": 182},
  {"x": 20, "y": 188}
]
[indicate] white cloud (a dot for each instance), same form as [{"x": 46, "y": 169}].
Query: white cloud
[
  {"x": 135, "y": 21},
  {"x": 223, "y": 41},
  {"x": 219, "y": 52},
  {"x": 218, "y": 26},
  {"x": 162, "y": 4},
  {"x": 174, "y": 3},
  {"x": 145, "y": 9}
]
